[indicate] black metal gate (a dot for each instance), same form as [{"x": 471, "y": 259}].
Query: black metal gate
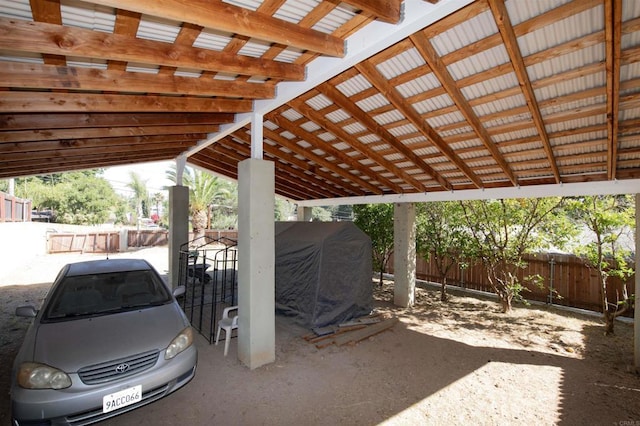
[{"x": 210, "y": 274}]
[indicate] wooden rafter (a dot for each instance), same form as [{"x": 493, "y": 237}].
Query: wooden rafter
[
  {"x": 79, "y": 120},
  {"x": 126, "y": 24},
  {"x": 369, "y": 122},
  {"x": 36, "y": 135},
  {"x": 613, "y": 37},
  {"x": 341, "y": 181},
  {"x": 501, "y": 17},
  {"x": 369, "y": 71},
  {"x": 82, "y": 102},
  {"x": 35, "y": 76},
  {"x": 236, "y": 20},
  {"x": 318, "y": 143},
  {"x": 49, "y": 12},
  {"x": 433, "y": 60},
  {"x": 37, "y": 37},
  {"x": 341, "y": 134}
]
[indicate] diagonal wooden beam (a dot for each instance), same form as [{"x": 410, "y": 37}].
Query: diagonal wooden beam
[
  {"x": 613, "y": 38},
  {"x": 336, "y": 130},
  {"x": 35, "y": 76},
  {"x": 383, "y": 10},
  {"x": 342, "y": 181},
  {"x": 439, "y": 69},
  {"x": 321, "y": 161},
  {"x": 501, "y": 17},
  {"x": 38, "y": 37},
  {"x": 73, "y": 102},
  {"x": 235, "y": 20},
  {"x": 297, "y": 176},
  {"x": 377, "y": 80},
  {"x": 367, "y": 121}
]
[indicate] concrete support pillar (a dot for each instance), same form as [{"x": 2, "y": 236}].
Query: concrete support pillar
[
  {"x": 305, "y": 214},
  {"x": 256, "y": 262},
  {"x": 404, "y": 254},
  {"x": 178, "y": 229},
  {"x": 636, "y": 328}
]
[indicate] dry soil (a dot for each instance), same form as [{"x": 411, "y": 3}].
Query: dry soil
[{"x": 461, "y": 362}]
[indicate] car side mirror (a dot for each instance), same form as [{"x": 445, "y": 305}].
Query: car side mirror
[
  {"x": 179, "y": 291},
  {"x": 27, "y": 311}
]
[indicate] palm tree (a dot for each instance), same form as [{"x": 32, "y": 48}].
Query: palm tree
[
  {"x": 204, "y": 190},
  {"x": 140, "y": 192}
]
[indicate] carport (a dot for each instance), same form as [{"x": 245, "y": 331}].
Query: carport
[{"x": 326, "y": 102}]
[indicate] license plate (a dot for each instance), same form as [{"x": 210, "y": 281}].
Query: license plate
[{"x": 120, "y": 399}]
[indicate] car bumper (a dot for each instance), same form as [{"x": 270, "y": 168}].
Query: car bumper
[{"x": 81, "y": 404}]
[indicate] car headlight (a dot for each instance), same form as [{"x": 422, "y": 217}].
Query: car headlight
[
  {"x": 33, "y": 375},
  {"x": 181, "y": 342}
]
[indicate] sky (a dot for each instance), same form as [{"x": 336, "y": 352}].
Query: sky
[{"x": 153, "y": 173}]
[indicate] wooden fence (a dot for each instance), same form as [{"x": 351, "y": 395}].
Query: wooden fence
[
  {"x": 90, "y": 242},
  {"x": 567, "y": 280},
  {"x": 110, "y": 241}
]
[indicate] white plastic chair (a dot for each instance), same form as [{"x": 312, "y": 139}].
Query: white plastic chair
[{"x": 228, "y": 324}]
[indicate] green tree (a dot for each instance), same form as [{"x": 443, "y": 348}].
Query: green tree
[
  {"x": 140, "y": 193},
  {"x": 607, "y": 218},
  {"x": 441, "y": 234},
  {"x": 205, "y": 189},
  {"x": 503, "y": 231},
  {"x": 376, "y": 220}
]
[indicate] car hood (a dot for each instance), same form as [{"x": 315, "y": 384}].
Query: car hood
[{"x": 71, "y": 345}]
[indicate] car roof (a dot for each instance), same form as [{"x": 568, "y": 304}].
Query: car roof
[{"x": 104, "y": 266}]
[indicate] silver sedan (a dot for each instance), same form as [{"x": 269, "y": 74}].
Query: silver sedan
[{"x": 110, "y": 337}]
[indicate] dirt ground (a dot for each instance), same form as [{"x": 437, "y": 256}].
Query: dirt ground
[{"x": 459, "y": 362}]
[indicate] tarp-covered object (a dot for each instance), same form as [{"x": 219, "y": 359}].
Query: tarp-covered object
[{"x": 323, "y": 272}]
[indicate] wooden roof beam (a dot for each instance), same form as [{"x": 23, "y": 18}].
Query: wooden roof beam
[
  {"x": 126, "y": 24},
  {"x": 369, "y": 71},
  {"x": 36, "y": 76},
  {"x": 342, "y": 135},
  {"x": 367, "y": 121},
  {"x": 38, "y": 102},
  {"x": 131, "y": 142},
  {"x": 48, "y": 11},
  {"x": 287, "y": 173},
  {"x": 37, "y": 37},
  {"x": 439, "y": 69},
  {"x": 501, "y": 17},
  {"x": 61, "y": 134},
  {"x": 341, "y": 182},
  {"x": 235, "y": 20},
  {"x": 316, "y": 142},
  {"x": 613, "y": 37},
  {"x": 81, "y": 120}
]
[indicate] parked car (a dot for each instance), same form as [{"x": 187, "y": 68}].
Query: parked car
[{"x": 109, "y": 338}]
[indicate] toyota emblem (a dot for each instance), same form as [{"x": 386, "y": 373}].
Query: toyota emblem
[{"x": 121, "y": 368}]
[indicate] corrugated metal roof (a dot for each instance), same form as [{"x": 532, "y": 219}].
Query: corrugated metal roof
[
  {"x": 15, "y": 9},
  {"x": 404, "y": 62},
  {"x": 474, "y": 29},
  {"x": 88, "y": 16}
]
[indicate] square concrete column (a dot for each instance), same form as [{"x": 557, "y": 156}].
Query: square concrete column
[
  {"x": 305, "y": 214},
  {"x": 404, "y": 254},
  {"x": 178, "y": 229},
  {"x": 256, "y": 262}
]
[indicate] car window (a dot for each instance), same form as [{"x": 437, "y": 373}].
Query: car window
[{"x": 103, "y": 294}]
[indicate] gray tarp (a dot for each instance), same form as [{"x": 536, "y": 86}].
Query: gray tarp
[{"x": 323, "y": 272}]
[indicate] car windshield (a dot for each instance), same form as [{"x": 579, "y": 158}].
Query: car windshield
[{"x": 103, "y": 294}]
